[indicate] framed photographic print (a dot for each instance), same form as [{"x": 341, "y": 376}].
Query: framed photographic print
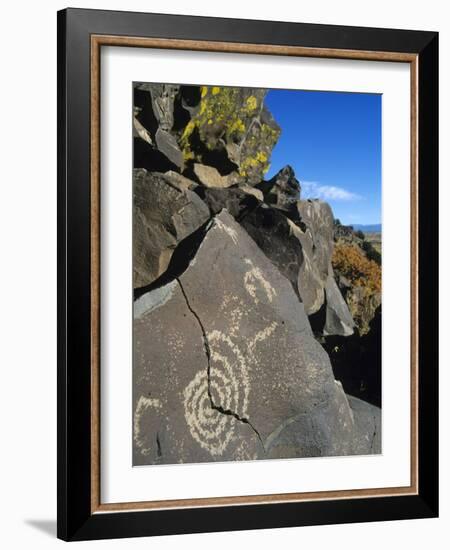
[{"x": 247, "y": 252}]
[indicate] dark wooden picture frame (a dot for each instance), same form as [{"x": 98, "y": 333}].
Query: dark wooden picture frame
[{"x": 81, "y": 34}]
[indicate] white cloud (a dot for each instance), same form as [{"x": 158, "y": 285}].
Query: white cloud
[{"x": 314, "y": 190}]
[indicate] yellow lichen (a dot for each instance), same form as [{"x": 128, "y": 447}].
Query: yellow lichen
[
  {"x": 225, "y": 115},
  {"x": 261, "y": 157},
  {"x": 252, "y": 103},
  {"x": 237, "y": 127}
]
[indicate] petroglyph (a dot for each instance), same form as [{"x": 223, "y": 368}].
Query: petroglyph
[
  {"x": 143, "y": 405},
  {"x": 215, "y": 400},
  {"x": 211, "y": 429},
  {"x": 254, "y": 279},
  {"x": 262, "y": 335},
  {"x": 228, "y": 230}
]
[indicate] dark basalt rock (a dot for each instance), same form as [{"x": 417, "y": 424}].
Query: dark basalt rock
[
  {"x": 302, "y": 252},
  {"x": 367, "y": 419},
  {"x": 277, "y": 237},
  {"x": 338, "y": 319},
  {"x": 165, "y": 212},
  {"x": 155, "y": 117},
  {"x": 224, "y": 360},
  {"x": 168, "y": 146},
  {"x": 237, "y": 201},
  {"x": 163, "y": 99},
  {"x": 228, "y": 129},
  {"x": 210, "y": 177},
  {"x": 317, "y": 219},
  {"x": 234, "y": 124},
  {"x": 173, "y": 417},
  {"x": 282, "y": 191},
  {"x": 303, "y": 436}
]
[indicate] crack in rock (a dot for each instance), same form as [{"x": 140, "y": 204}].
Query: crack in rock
[
  {"x": 207, "y": 348},
  {"x": 182, "y": 257}
]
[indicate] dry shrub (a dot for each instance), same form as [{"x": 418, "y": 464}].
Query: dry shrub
[{"x": 350, "y": 261}]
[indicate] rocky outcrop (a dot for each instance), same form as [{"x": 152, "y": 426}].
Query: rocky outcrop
[
  {"x": 241, "y": 298},
  {"x": 302, "y": 251},
  {"x": 338, "y": 319},
  {"x": 282, "y": 191},
  {"x": 226, "y": 363},
  {"x": 165, "y": 211},
  {"x": 227, "y": 129}
]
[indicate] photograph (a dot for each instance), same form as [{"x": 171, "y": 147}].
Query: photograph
[{"x": 257, "y": 273}]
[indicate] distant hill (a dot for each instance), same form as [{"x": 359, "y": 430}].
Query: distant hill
[{"x": 371, "y": 228}]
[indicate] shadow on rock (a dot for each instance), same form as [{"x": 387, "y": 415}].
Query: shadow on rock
[{"x": 356, "y": 361}]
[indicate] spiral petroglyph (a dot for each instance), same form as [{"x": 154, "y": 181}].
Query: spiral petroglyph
[
  {"x": 212, "y": 404},
  {"x": 211, "y": 429}
]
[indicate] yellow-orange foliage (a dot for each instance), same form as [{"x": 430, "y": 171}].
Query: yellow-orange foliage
[{"x": 349, "y": 260}]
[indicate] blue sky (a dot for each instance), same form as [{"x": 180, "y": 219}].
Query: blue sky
[{"x": 333, "y": 142}]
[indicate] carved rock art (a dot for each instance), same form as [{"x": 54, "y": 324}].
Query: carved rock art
[{"x": 235, "y": 378}]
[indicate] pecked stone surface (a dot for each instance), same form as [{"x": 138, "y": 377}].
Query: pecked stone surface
[
  {"x": 278, "y": 238},
  {"x": 306, "y": 435},
  {"x": 173, "y": 418},
  {"x": 225, "y": 358},
  {"x": 302, "y": 252},
  {"x": 226, "y": 129}
]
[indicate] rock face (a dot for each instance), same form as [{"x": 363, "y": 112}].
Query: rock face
[
  {"x": 302, "y": 251},
  {"x": 243, "y": 293},
  {"x": 211, "y": 177},
  {"x": 338, "y": 319},
  {"x": 227, "y": 129},
  {"x": 250, "y": 368},
  {"x": 282, "y": 191},
  {"x": 165, "y": 211}
]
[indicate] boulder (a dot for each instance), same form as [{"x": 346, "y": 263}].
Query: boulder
[
  {"x": 210, "y": 176},
  {"x": 252, "y": 191},
  {"x": 282, "y": 191},
  {"x": 168, "y": 146},
  {"x": 138, "y": 129},
  {"x": 225, "y": 128},
  {"x": 225, "y": 357},
  {"x": 302, "y": 436},
  {"x": 278, "y": 239},
  {"x": 237, "y": 201},
  {"x": 173, "y": 418},
  {"x": 338, "y": 319},
  {"x": 164, "y": 213},
  {"x": 299, "y": 251},
  {"x": 231, "y": 131},
  {"x": 367, "y": 426},
  {"x": 163, "y": 100}
]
